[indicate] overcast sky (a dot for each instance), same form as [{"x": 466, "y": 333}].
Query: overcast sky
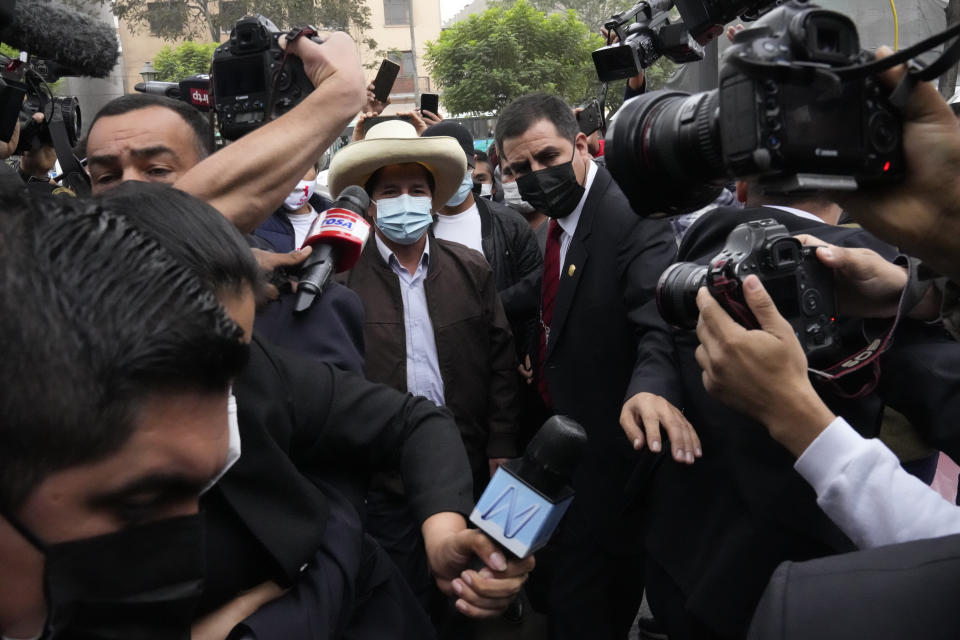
[{"x": 449, "y": 7}]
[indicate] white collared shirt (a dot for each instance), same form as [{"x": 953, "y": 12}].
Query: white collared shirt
[
  {"x": 569, "y": 223},
  {"x": 423, "y": 363}
]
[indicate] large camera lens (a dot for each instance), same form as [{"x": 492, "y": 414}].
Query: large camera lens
[
  {"x": 677, "y": 293},
  {"x": 663, "y": 149}
]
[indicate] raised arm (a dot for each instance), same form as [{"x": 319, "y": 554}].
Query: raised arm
[{"x": 249, "y": 179}]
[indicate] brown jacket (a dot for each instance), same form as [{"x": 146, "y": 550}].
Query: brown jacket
[{"x": 474, "y": 344}]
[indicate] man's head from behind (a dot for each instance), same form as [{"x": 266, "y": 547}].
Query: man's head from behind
[
  {"x": 145, "y": 137},
  {"x": 197, "y": 236},
  {"x": 115, "y": 393}
]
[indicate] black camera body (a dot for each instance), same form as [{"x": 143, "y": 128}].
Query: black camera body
[
  {"x": 795, "y": 133},
  {"x": 779, "y": 117},
  {"x": 799, "y": 284},
  {"x": 251, "y": 82}
]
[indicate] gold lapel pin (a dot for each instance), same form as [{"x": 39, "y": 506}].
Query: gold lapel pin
[{"x": 570, "y": 271}]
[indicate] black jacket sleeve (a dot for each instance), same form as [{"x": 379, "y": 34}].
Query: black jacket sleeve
[
  {"x": 920, "y": 378},
  {"x": 331, "y": 330},
  {"x": 346, "y": 425},
  {"x": 651, "y": 251},
  {"x": 520, "y": 299}
]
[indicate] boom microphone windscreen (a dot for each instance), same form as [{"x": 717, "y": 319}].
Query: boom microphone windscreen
[{"x": 51, "y": 31}]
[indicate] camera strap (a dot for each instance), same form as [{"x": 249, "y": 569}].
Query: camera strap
[
  {"x": 869, "y": 356},
  {"x": 74, "y": 177}
]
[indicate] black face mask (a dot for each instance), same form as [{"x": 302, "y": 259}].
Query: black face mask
[
  {"x": 554, "y": 190},
  {"x": 138, "y": 583}
]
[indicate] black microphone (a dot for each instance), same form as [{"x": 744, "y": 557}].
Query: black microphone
[
  {"x": 48, "y": 30},
  {"x": 527, "y": 497},
  {"x": 168, "y": 89},
  {"x": 337, "y": 236}
]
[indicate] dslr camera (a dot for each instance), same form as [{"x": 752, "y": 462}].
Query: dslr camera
[
  {"x": 799, "y": 284},
  {"x": 253, "y": 82},
  {"x": 781, "y": 115}
]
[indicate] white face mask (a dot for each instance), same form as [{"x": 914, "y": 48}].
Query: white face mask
[
  {"x": 486, "y": 189},
  {"x": 511, "y": 197},
  {"x": 233, "y": 446},
  {"x": 301, "y": 195}
]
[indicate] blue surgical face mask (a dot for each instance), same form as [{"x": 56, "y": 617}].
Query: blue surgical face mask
[
  {"x": 466, "y": 186},
  {"x": 404, "y": 219}
]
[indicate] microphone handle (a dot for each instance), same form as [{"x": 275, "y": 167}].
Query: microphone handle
[{"x": 315, "y": 275}]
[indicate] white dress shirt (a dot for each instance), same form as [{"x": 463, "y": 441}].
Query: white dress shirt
[
  {"x": 861, "y": 486},
  {"x": 423, "y": 364},
  {"x": 569, "y": 223}
]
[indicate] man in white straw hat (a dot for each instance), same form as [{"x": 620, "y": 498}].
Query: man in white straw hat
[{"x": 434, "y": 323}]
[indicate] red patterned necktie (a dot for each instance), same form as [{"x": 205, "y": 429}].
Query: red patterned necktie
[{"x": 548, "y": 295}]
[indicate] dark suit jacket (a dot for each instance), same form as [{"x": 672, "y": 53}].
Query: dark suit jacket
[
  {"x": 300, "y": 420},
  {"x": 604, "y": 303},
  {"x": 899, "y": 591},
  {"x": 720, "y": 527},
  {"x": 331, "y": 330}
]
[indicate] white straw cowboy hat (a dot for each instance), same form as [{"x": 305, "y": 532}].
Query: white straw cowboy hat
[{"x": 397, "y": 142}]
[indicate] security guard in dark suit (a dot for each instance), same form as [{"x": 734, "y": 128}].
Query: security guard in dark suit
[{"x": 600, "y": 269}]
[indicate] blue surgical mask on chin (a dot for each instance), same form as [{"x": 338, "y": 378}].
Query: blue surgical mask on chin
[
  {"x": 404, "y": 219},
  {"x": 466, "y": 186}
]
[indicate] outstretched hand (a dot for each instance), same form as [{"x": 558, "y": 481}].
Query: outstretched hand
[
  {"x": 643, "y": 415},
  {"x": 867, "y": 284}
]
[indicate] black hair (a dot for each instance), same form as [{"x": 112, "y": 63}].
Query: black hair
[
  {"x": 96, "y": 317},
  {"x": 193, "y": 232},
  {"x": 202, "y": 131},
  {"x": 524, "y": 112},
  {"x": 483, "y": 157}
]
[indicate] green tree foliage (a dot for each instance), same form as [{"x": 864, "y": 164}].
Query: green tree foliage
[
  {"x": 482, "y": 63},
  {"x": 594, "y": 13},
  {"x": 210, "y": 19},
  {"x": 175, "y": 64}
]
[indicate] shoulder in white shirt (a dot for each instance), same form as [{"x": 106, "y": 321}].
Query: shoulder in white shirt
[{"x": 861, "y": 486}]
